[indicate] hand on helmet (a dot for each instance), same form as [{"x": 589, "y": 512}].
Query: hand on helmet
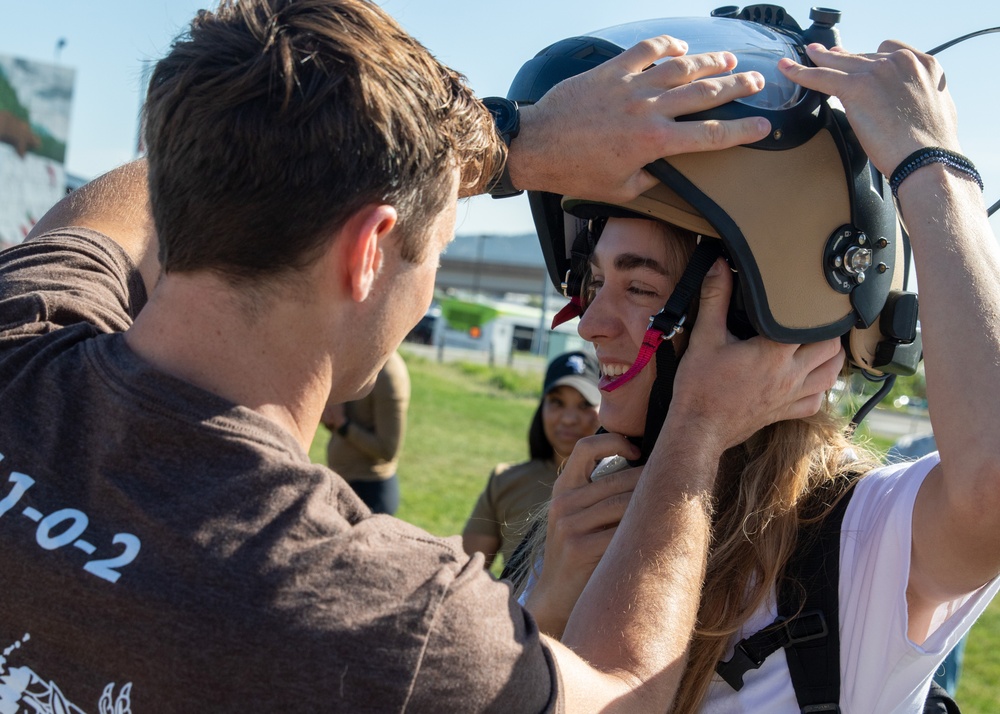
[
  {"x": 896, "y": 100},
  {"x": 591, "y": 135},
  {"x": 727, "y": 389}
]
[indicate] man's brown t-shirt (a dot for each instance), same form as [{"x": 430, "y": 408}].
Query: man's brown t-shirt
[{"x": 163, "y": 549}]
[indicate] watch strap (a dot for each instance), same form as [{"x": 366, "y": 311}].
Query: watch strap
[
  {"x": 507, "y": 120},
  {"x": 502, "y": 186}
]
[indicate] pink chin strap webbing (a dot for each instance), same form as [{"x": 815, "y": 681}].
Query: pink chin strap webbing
[{"x": 651, "y": 342}]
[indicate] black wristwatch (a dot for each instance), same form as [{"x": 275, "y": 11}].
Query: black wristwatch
[{"x": 507, "y": 118}]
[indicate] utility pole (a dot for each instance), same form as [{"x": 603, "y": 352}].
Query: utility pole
[{"x": 478, "y": 265}]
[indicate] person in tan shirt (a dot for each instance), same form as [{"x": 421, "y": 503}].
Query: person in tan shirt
[
  {"x": 566, "y": 413},
  {"x": 366, "y": 437}
]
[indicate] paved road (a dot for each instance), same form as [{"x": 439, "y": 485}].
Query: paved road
[
  {"x": 896, "y": 424},
  {"x": 519, "y": 360}
]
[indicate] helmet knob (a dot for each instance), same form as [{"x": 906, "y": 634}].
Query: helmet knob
[
  {"x": 822, "y": 30},
  {"x": 730, "y": 11},
  {"x": 857, "y": 260},
  {"x": 824, "y": 16}
]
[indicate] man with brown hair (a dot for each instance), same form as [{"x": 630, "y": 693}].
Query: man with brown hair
[{"x": 165, "y": 542}]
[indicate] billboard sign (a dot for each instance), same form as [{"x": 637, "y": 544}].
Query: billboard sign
[{"x": 35, "y": 100}]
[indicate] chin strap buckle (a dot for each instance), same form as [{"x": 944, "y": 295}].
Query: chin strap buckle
[{"x": 666, "y": 333}]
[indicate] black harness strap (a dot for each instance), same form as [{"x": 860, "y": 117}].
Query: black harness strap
[
  {"x": 939, "y": 701},
  {"x": 809, "y": 629},
  {"x": 751, "y": 652},
  {"x": 676, "y": 307},
  {"x": 811, "y": 584},
  {"x": 808, "y": 625}
]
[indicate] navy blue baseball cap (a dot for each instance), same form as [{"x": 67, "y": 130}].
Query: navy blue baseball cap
[{"x": 575, "y": 369}]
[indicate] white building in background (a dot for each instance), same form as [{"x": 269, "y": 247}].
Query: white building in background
[{"x": 493, "y": 293}]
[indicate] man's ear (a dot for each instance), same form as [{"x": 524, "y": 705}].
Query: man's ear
[{"x": 362, "y": 247}]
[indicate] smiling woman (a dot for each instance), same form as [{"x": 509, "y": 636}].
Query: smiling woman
[
  {"x": 812, "y": 279},
  {"x": 782, "y": 477},
  {"x": 633, "y": 270}
]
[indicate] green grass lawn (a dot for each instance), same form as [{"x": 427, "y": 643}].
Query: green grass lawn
[
  {"x": 979, "y": 686},
  {"x": 464, "y": 419}
]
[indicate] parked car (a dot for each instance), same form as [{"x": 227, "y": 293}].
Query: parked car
[{"x": 423, "y": 332}]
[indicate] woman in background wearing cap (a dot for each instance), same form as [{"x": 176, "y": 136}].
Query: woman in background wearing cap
[{"x": 566, "y": 413}]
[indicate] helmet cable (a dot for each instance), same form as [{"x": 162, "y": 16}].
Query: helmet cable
[{"x": 952, "y": 43}]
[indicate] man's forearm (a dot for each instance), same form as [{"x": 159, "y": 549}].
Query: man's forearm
[{"x": 636, "y": 615}]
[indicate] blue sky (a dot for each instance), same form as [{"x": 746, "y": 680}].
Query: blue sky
[{"x": 108, "y": 42}]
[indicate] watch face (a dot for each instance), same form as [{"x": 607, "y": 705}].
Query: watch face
[{"x": 505, "y": 116}]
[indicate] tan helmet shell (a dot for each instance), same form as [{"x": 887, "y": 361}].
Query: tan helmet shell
[{"x": 786, "y": 205}]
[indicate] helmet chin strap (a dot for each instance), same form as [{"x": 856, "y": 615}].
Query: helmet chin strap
[
  {"x": 651, "y": 342},
  {"x": 658, "y": 341},
  {"x": 659, "y": 398}
]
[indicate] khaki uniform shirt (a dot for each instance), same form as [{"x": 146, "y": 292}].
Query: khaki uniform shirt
[
  {"x": 370, "y": 449},
  {"x": 512, "y": 496}
]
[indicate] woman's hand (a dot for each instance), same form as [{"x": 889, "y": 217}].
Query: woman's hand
[
  {"x": 897, "y": 100},
  {"x": 582, "y": 518}
]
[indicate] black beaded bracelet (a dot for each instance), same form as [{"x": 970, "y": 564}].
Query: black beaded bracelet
[{"x": 932, "y": 155}]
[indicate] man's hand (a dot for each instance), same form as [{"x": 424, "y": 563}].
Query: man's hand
[
  {"x": 591, "y": 135},
  {"x": 728, "y": 389}
]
